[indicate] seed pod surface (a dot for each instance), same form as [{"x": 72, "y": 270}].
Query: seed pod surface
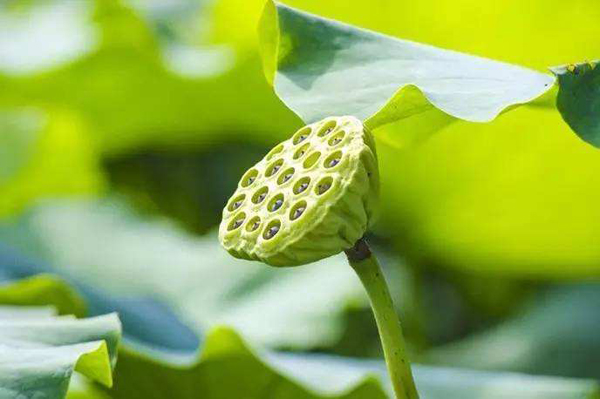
[{"x": 310, "y": 197}]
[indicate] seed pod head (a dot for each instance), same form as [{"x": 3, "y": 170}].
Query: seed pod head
[{"x": 310, "y": 197}]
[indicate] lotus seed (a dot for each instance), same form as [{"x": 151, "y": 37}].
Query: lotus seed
[
  {"x": 328, "y": 128},
  {"x": 276, "y": 205},
  {"x": 301, "y": 187},
  {"x": 323, "y": 187},
  {"x": 261, "y": 197},
  {"x": 275, "y": 169},
  {"x": 237, "y": 204},
  {"x": 336, "y": 141},
  {"x": 271, "y": 232},
  {"x": 301, "y": 135},
  {"x": 333, "y": 162},
  {"x": 298, "y": 212},
  {"x": 237, "y": 222},
  {"x": 255, "y": 226},
  {"x": 250, "y": 180}
]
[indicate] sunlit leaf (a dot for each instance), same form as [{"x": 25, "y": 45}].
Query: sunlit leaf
[{"x": 515, "y": 197}]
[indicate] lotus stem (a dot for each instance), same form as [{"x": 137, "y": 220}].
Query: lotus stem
[{"x": 366, "y": 266}]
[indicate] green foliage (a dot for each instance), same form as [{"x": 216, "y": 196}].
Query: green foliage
[
  {"x": 560, "y": 322},
  {"x": 152, "y": 370},
  {"x": 40, "y": 351},
  {"x": 20, "y": 133},
  {"x": 44, "y": 154},
  {"x": 43, "y": 290},
  {"x": 86, "y": 82},
  {"x": 119, "y": 85},
  {"x": 289, "y": 376},
  {"x": 579, "y": 98},
  {"x": 224, "y": 355}
]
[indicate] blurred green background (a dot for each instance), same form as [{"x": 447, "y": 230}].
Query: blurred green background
[{"x": 125, "y": 126}]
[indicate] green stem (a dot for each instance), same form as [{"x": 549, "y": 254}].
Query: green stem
[{"x": 367, "y": 267}]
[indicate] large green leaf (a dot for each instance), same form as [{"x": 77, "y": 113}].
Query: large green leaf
[
  {"x": 284, "y": 375},
  {"x": 151, "y": 372},
  {"x": 267, "y": 305},
  {"x": 225, "y": 358},
  {"x": 562, "y": 323},
  {"x": 579, "y": 99},
  {"x": 40, "y": 351},
  {"x": 321, "y": 67}
]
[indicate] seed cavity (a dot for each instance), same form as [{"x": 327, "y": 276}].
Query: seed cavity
[
  {"x": 275, "y": 151},
  {"x": 311, "y": 160},
  {"x": 285, "y": 176},
  {"x": 260, "y": 195},
  {"x": 335, "y": 140},
  {"x": 237, "y": 221},
  {"x": 301, "y": 135},
  {"x": 301, "y": 151},
  {"x": 274, "y": 168},
  {"x": 272, "y": 229},
  {"x": 301, "y": 185},
  {"x": 253, "y": 224},
  {"x": 297, "y": 210},
  {"x": 249, "y": 178},
  {"x": 236, "y": 202},
  {"x": 324, "y": 185},
  {"x": 333, "y": 159},
  {"x": 276, "y": 203},
  {"x": 327, "y": 128}
]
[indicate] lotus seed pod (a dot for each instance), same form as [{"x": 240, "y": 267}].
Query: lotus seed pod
[{"x": 310, "y": 197}]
